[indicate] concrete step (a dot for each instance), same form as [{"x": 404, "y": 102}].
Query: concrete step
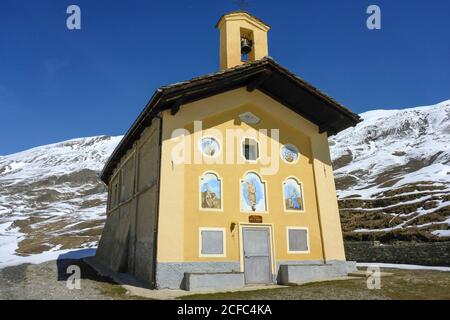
[{"x": 213, "y": 281}]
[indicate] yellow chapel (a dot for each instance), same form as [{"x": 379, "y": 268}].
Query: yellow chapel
[{"x": 226, "y": 180}]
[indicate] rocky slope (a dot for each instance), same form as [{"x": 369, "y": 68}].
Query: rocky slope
[{"x": 393, "y": 174}]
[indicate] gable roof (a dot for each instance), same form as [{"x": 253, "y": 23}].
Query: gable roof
[{"x": 265, "y": 75}]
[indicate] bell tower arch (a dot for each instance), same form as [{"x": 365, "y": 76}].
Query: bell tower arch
[{"x": 243, "y": 38}]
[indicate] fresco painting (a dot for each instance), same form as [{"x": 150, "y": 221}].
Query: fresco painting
[{"x": 253, "y": 194}]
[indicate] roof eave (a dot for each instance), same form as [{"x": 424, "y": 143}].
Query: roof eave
[
  {"x": 105, "y": 173},
  {"x": 208, "y": 85},
  {"x": 267, "y": 26}
]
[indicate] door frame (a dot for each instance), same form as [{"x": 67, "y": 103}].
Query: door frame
[{"x": 268, "y": 226}]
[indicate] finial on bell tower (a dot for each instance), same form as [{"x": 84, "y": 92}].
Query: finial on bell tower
[
  {"x": 243, "y": 38},
  {"x": 243, "y": 4}
]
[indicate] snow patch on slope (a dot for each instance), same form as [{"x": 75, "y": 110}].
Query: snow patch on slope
[
  {"x": 392, "y": 172},
  {"x": 410, "y": 145},
  {"x": 51, "y": 200}
]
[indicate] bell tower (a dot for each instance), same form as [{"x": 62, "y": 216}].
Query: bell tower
[{"x": 243, "y": 38}]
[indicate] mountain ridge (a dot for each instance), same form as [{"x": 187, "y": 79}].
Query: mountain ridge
[
  {"x": 392, "y": 173},
  {"x": 392, "y": 176}
]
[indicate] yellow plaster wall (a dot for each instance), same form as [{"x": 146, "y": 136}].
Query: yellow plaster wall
[
  {"x": 180, "y": 216},
  {"x": 327, "y": 202}
]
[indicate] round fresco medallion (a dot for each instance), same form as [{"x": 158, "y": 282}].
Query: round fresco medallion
[
  {"x": 289, "y": 153},
  {"x": 209, "y": 146}
]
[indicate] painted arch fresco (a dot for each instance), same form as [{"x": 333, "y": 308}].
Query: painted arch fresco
[
  {"x": 293, "y": 195},
  {"x": 210, "y": 191},
  {"x": 253, "y": 193}
]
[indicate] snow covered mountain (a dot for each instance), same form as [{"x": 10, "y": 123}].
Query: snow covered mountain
[
  {"x": 51, "y": 199},
  {"x": 392, "y": 173}
]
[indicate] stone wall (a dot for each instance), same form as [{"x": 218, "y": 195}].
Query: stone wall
[{"x": 421, "y": 253}]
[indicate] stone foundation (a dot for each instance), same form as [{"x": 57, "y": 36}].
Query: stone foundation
[
  {"x": 171, "y": 275},
  {"x": 189, "y": 275}
]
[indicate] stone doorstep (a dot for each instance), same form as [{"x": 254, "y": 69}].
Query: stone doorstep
[
  {"x": 214, "y": 281},
  {"x": 351, "y": 266},
  {"x": 305, "y": 273}
]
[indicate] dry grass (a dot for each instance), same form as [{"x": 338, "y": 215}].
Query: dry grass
[
  {"x": 402, "y": 285},
  {"x": 43, "y": 234}
]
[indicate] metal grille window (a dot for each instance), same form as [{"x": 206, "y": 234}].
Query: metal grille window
[
  {"x": 212, "y": 242},
  {"x": 298, "y": 240}
]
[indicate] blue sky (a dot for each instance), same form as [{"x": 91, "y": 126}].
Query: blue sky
[{"x": 57, "y": 84}]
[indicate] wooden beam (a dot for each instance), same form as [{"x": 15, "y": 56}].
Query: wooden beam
[
  {"x": 290, "y": 106},
  {"x": 329, "y": 126},
  {"x": 175, "y": 108},
  {"x": 258, "y": 81},
  {"x": 176, "y": 105},
  {"x": 323, "y": 128}
]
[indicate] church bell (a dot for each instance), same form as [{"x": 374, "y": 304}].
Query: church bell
[{"x": 246, "y": 45}]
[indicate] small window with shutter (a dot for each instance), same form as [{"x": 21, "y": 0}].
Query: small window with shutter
[
  {"x": 212, "y": 242},
  {"x": 250, "y": 149},
  {"x": 297, "y": 240}
]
